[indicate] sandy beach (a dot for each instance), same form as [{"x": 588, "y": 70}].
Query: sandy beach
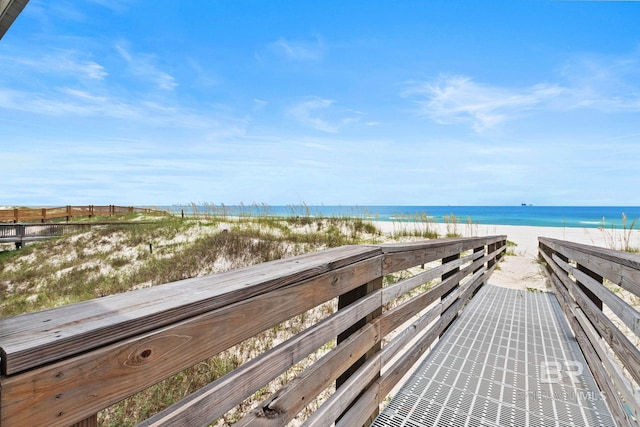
[{"x": 522, "y": 270}]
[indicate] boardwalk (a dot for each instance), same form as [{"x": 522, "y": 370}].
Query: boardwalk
[
  {"x": 506, "y": 357},
  {"x": 509, "y": 360}
]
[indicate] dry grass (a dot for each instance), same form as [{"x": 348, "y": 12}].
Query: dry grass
[{"x": 620, "y": 238}]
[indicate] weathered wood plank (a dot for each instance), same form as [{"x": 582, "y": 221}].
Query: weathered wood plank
[
  {"x": 403, "y": 312},
  {"x": 291, "y": 399},
  {"x": 360, "y": 413},
  {"x": 34, "y": 339},
  {"x": 215, "y": 399},
  {"x": 344, "y": 396},
  {"x": 77, "y": 387},
  {"x": 621, "y": 268},
  {"x": 623, "y": 310},
  {"x": 402, "y": 256},
  {"x": 398, "y": 289}
]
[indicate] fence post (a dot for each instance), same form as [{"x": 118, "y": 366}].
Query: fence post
[
  {"x": 593, "y": 297},
  {"x": 20, "y": 232},
  {"x": 481, "y": 267},
  {"x": 490, "y": 248},
  {"x": 44, "y": 215},
  {"x": 444, "y": 277},
  {"x": 16, "y": 216},
  {"x": 68, "y": 213},
  {"x": 92, "y": 421},
  {"x": 345, "y": 300}
]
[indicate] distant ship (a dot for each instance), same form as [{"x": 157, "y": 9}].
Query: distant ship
[{"x": 524, "y": 204}]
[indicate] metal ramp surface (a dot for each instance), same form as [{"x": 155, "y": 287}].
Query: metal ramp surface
[{"x": 510, "y": 359}]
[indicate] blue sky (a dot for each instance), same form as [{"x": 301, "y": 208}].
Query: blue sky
[{"x": 326, "y": 102}]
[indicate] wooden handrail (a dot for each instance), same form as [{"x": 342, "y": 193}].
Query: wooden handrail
[
  {"x": 577, "y": 273},
  {"x": 61, "y": 366},
  {"x": 69, "y": 212}
]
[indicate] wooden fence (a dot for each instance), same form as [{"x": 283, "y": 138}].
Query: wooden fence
[
  {"x": 578, "y": 274},
  {"x": 61, "y": 366},
  {"x": 68, "y": 212}
]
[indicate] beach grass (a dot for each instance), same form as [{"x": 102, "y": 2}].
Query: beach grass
[
  {"x": 116, "y": 258},
  {"x": 617, "y": 238}
]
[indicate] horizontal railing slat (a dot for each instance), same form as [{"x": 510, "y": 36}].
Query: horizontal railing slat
[
  {"x": 397, "y": 289},
  {"x": 620, "y": 308},
  {"x": 214, "y": 400},
  {"x": 621, "y": 268},
  {"x": 38, "y": 338},
  {"x": 285, "y": 404},
  {"x": 402, "y": 256}
]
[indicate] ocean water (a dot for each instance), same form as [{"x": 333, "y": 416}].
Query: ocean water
[{"x": 544, "y": 216}]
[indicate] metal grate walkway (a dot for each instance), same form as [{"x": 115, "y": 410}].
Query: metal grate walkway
[{"x": 509, "y": 360}]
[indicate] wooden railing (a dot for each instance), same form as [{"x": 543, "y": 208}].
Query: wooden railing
[
  {"x": 62, "y": 366},
  {"x": 22, "y": 233},
  {"x": 578, "y": 274},
  {"x": 68, "y": 212}
]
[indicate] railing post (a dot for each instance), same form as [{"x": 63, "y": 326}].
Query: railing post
[
  {"x": 92, "y": 421},
  {"x": 481, "y": 267},
  {"x": 68, "y": 213},
  {"x": 345, "y": 300},
  {"x": 44, "y": 215},
  {"x": 16, "y": 216},
  {"x": 593, "y": 297},
  {"x": 490, "y": 248},
  {"x": 20, "y": 232},
  {"x": 446, "y": 276}
]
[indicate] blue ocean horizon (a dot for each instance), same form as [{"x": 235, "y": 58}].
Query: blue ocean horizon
[{"x": 617, "y": 217}]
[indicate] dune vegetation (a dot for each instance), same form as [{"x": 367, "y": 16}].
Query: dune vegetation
[{"x": 139, "y": 251}]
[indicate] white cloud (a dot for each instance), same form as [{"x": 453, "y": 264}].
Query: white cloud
[
  {"x": 306, "y": 113},
  {"x": 142, "y": 65},
  {"x": 64, "y": 62},
  {"x": 321, "y": 114},
  {"x": 607, "y": 83},
  {"x": 115, "y": 5},
  {"x": 458, "y": 99},
  {"x": 298, "y": 50},
  {"x": 259, "y": 104}
]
